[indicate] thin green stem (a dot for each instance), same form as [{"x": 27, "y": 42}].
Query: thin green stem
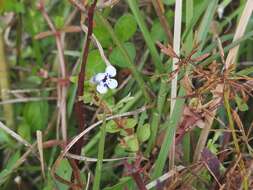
[{"x": 101, "y": 146}]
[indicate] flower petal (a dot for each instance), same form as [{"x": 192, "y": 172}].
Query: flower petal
[
  {"x": 99, "y": 77},
  {"x": 111, "y": 71},
  {"x": 101, "y": 88},
  {"x": 112, "y": 83}
]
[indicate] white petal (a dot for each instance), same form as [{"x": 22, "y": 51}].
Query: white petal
[
  {"x": 111, "y": 71},
  {"x": 101, "y": 88},
  {"x": 99, "y": 77},
  {"x": 112, "y": 83}
]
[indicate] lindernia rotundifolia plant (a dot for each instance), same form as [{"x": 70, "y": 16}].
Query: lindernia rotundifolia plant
[{"x": 103, "y": 80}]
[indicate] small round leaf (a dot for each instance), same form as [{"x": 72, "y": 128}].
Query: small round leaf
[
  {"x": 132, "y": 143},
  {"x": 143, "y": 132}
]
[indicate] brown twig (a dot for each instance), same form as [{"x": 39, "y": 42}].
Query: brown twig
[
  {"x": 62, "y": 94},
  {"x": 62, "y": 89},
  {"x": 163, "y": 21},
  {"x": 79, "y": 106}
]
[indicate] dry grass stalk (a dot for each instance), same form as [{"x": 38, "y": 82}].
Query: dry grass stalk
[
  {"x": 61, "y": 89},
  {"x": 176, "y": 48},
  {"x": 5, "y": 85},
  {"x": 40, "y": 148},
  {"x": 240, "y": 30}
]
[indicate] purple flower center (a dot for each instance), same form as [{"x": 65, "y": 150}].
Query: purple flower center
[{"x": 105, "y": 79}]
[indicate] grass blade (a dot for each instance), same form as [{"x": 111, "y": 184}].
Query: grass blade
[
  {"x": 101, "y": 146},
  {"x": 155, "y": 56},
  {"x": 171, "y": 124}
]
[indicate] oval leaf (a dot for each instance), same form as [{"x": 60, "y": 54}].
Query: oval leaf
[
  {"x": 95, "y": 64},
  {"x": 132, "y": 143},
  {"x": 36, "y": 115},
  {"x": 125, "y": 27},
  {"x": 116, "y": 57},
  {"x": 111, "y": 127},
  {"x": 143, "y": 132}
]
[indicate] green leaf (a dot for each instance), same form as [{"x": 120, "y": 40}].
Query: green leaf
[
  {"x": 59, "y": 21},
  {"x": 125, "y": 27},
  {"x": 171, "y": 124},
  {"x": 11, "y": 6},
  {"x": 143, "y": 132},
  {"x": 122, "y": 102},
  {"x": 130, "y": 123},
  {"x": 12, "y": 160},
  {"x": 73, "y": 79},
  {"x": 36, "y": 115},
  {"x": 24, "y": 130},
  {"x": 36, "y": 80},
  {"x": 120, "y": 151},
  {"x": 4, "y": 138},
  {"x": 95, "y": 64},
  {"x": 247, "y": 71},
  {"x": 169, "y": 2},
  {"x": 64, "y": 170},
  {"x": 111, "y": 127},
  {"x": 242, "y": 106},
  {"x": 132, "y": 143},
  {"x": 116, "y": 57},
  {"x": 157, "y": 32},
  {"x": 102, "y": 35},
  {"x": 5, "y": 173}
]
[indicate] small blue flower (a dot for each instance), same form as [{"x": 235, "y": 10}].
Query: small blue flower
[{"x": 105, "y": 80}]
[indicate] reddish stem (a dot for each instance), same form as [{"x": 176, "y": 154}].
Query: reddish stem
[
  {"x": 79, "y": 106},
  {"x": 138, "y": 180}
]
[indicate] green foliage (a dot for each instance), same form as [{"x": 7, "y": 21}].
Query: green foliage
[
  {"x": 132, "y": 143},
  {"x": 128, "y": 33},
  {"x": 103, "y": 36},
  {"x": 4, "y": 138},
  {"x": 8, "y": 169},
  {"x": 143, "y": 132},
  {"x": 24, "y": 130},
  {"x": 65, "y": 171},
  {"x": 111, "y": 127},
  {"x": 169, "y": 2},
  {"x": 59, "y": 21},
  {"x": 36, "y": 115},
  {"x": 242, "y": 105},
  {"x": 157, "y": 32},
  {"x": 125, "y": 27},
  {"x": 95, "y": 64},
  {"x": 116, "y": 57},
  {"x": 11, "y": 6},
  {"x": 212, "y": 144}
]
